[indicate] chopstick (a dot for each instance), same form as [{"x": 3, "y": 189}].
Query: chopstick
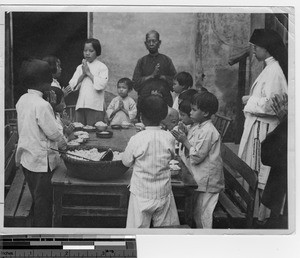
[{"x": 65, "y": 152}]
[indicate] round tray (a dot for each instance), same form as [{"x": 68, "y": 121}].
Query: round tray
[
  {"x": 94, "y": 170},
  {"x": 102, "y": 135}
]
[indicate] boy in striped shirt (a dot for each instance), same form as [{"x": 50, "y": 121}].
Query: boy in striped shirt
[{"x": 150, "y": 151}]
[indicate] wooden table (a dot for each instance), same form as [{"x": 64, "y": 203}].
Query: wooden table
[{"x": 105, "y": 202}]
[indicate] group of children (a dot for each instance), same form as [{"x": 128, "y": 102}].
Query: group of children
[{"x": 149, "y": 152}]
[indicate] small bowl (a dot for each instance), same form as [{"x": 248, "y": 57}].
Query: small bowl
[{"x": 101, "y": 128}]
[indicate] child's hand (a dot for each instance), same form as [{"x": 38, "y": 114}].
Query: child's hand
[
  {"x": 69, "y": 129},
  {"x": 245, "y": 99},
  {"x": 182, "y": 128},
  {"x": 85, "y": 68},
  {"x": 52, "y": 98},
  {"x": 62, "y": 144},
  {"x": 179, "y": 136}
]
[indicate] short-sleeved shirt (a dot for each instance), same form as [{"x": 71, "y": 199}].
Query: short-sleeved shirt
[{"x": 149, "y": 151}]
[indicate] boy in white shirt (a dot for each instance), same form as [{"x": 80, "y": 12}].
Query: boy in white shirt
[
  {"x": 38, "y": 132},
  {"x": 203, "y": 143},
  {"x": 150, "y": 151}
]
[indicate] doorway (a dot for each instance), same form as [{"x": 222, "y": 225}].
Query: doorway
[{"x": 38, "y": 34}]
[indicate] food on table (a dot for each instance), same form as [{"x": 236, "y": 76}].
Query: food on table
[
  {"x": 125, "y": 124},
  {"x": 81, "y": 133},
  {"x": 100, "y": 123},
  {"x": 89, "y": 127},
  {"x": 101, "y": 126},
  {"x": 84, "y": 136},
  {"x": 92, "y": 154},
  {"x": 104, "y": 133},
  {"x": 77, "y": 125},
  {"x": 73, "y": 143}
]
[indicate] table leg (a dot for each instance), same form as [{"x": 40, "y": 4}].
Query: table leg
[{"x": 57, "y": 208}]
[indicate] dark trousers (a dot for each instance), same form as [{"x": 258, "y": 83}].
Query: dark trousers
[{"x": 40, "y": 187}]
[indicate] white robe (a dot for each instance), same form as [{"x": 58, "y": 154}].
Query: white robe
[{"x": 260, "y": 119}]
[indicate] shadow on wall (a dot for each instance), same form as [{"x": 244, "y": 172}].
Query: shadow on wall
[{"x": 226, "y": 83}]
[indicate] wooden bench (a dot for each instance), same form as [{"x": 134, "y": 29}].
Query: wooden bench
[
  {"x": 18, "y": 200},
  {"x": 236, "y": 201}
]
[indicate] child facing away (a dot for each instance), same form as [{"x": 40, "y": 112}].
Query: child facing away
[
  {"x": 203, "y": 143},
  {"x": 182, "y": 81},
  {"x": 150, "y": 151},
  {"x": 122, "y": 108},
  {"x": 90, "y": 78},
  {"x": 38, "y": 132},
  {"x": 64, "y": 124}
]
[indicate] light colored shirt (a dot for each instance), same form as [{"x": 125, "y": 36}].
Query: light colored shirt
[
  {"x": 204, "y": 160},
  {"x": 175, "y": 103},
  {"x": 38, "y": 132},
  {"x": 55, "y": 83},
  {"x": 129, "y": 105},
  {"x": 271, "y": 81},
  {"x": 91, "y": 95},
  {"x": 149, "y": 151}
]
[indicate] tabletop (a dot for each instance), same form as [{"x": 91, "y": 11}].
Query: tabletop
[{"x": 119, "y": 140}]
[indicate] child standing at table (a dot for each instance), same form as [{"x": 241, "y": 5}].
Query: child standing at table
[
  {"x": 38, "y": 132},
  {"x": 184, "y": 126},
  {"x": 90, "y": 78},
  {"x": 150, "y": 151},
  {"x": 55, "y": 66},
  {"x": 203, "y": 144},
  {"x": 122, "y": 108},
  {"x": 182, "y": 81},
  {"x": 64, "y": 124}
]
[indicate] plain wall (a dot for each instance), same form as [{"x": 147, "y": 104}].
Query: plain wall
[{"x": 122, "y": 37}]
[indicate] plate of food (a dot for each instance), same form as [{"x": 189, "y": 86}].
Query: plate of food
[
  {"x": 77, "y": 125},
  {"x": 73, "y": 143},
  {"x": 89, "y": 128},
  {"x": 104, "y": 134},
  {"x": 125, "y": 125}
]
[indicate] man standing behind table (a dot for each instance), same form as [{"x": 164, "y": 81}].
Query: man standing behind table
[{"x": 154, "y": 65}]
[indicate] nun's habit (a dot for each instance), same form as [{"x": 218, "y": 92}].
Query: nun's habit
[{"x": 260, "y": 119}]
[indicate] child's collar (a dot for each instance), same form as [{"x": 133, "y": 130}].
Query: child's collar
[
  {"x": 37, "y": 92},
  {"x": 153, "y": 127}
]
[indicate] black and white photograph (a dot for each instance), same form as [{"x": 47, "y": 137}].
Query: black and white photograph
[{"x": 170, "y": 120}]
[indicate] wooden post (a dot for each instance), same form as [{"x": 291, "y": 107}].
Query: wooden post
[{"x": 241, "y": 92}]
